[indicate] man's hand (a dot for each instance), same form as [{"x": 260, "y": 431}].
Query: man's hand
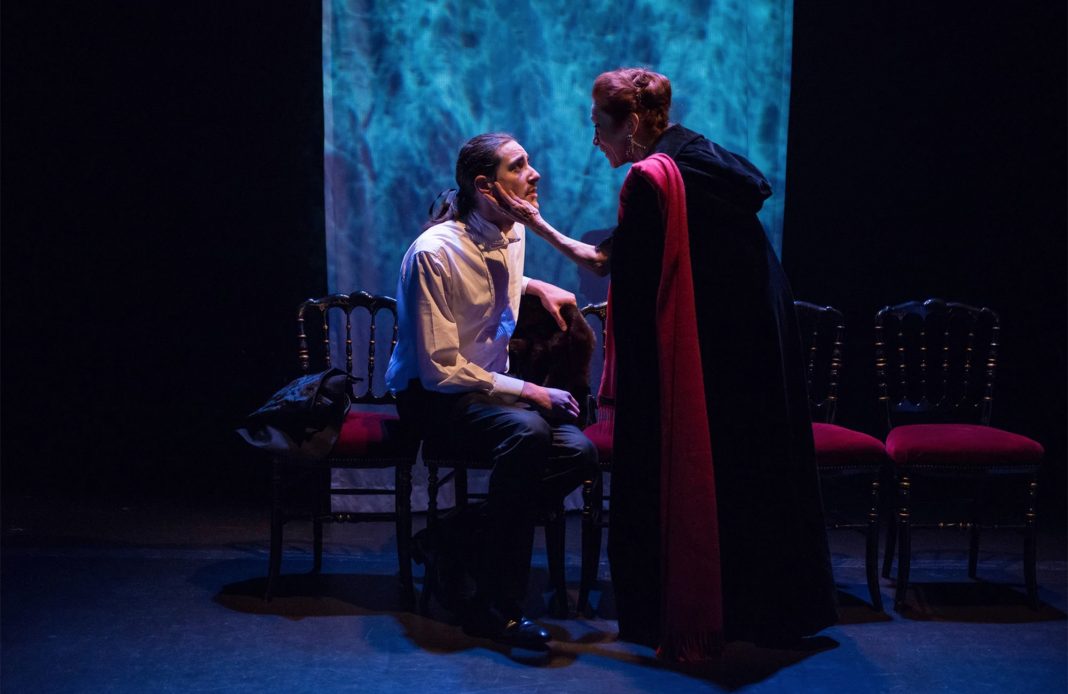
[
  {"x": 553, "y": 298},
  {"x": 556, "y": 402}
]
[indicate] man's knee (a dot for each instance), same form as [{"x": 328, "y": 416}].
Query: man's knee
[
  {"x": 584, "y": 452},
  {"x": 588, "y": 451},
  {"x": 529, "y": 423},
  {"x": 515, "y": 433}
]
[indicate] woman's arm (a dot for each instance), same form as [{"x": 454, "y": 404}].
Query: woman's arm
[
  {"x": 518, "y": 209},
  {"x": 590, "y": 257}
]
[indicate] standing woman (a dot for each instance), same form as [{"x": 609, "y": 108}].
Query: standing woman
[{"x": 717, "y": 529}]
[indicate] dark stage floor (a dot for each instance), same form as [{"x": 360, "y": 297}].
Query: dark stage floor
[{"x": 111, "y": 598}]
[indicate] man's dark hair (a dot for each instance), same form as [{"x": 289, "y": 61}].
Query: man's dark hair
[{"x": 478, "y": 157}]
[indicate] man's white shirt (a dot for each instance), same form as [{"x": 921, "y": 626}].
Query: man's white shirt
[{"x": 457, "y": 302}]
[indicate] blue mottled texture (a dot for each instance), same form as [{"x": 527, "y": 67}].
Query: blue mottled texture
[{"x": 405, "y": 84}]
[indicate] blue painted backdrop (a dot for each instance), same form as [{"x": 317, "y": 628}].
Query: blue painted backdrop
[{"x": 405, "y": 84}]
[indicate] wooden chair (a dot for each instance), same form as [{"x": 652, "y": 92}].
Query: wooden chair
[
  {"x": 440, "y": 456},
  {"x": 600, "y": 431},
  {"x": 843, "y": 455},
  {"x": 371, "y": 437},
  {"x": 935, "y": 364},
  {"x": 533, "y": 357}
]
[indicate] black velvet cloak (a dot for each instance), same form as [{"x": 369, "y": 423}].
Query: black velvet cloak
[{"x": 776, "y": 572}]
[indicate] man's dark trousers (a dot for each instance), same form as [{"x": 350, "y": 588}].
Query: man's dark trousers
[{"x": 535, "y": 465}]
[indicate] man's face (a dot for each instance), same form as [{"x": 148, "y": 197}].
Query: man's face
[{"x": 515, "y": 174}]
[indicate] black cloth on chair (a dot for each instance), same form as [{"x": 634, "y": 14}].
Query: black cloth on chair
[{"x": 303, "y": 419}]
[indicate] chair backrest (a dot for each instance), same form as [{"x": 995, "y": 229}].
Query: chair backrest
[
  {"x": 347, "y": 326},
  {"x": 822, "y": 336},
  {"x": 597, "y": 316},
  {"x": 935, "y": 361},
  {"x": 600, "y": 313}
]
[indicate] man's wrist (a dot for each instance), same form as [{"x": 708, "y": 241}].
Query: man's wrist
[{"x": 507, "y": 388}]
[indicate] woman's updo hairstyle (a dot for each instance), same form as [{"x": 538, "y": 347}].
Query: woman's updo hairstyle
[{"x": 634, "y": 90}]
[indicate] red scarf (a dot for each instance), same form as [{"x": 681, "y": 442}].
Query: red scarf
[{"x": 691, "y": 611}]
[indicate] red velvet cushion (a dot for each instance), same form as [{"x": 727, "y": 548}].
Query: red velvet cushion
[
  {"x": 372, "y": 435},
  {"x": 960, "y": 444},
  {"x": 837, "y": 445},
  {"x": 601, "y": 435}
]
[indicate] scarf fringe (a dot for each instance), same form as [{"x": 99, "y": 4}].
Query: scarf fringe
[{"x": 691, "y": 648}]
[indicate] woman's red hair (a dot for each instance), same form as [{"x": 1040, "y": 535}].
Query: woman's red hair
[{"x": 634, "y": 90}]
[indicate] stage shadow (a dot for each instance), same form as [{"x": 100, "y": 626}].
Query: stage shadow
[
  {"x": 855, "y": 610},
  {"x": 974, "y": 602},
  {"x": 741, "y": 664},
  {"x": 744, "y": 664},
  {"x": 305, "y": 596},
  {"x": 298, "y": 596}
]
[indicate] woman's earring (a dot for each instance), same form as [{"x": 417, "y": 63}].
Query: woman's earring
[{"x": 630, "y": 153}]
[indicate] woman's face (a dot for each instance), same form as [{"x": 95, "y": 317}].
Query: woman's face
[{"x": 609, "y": 136}]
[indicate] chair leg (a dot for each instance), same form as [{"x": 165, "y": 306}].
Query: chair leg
[
  {"x": 459, "y": 482},
  {"x": 403, "y": 509},
  {"x": 891, "y": 544},
  {"x": 973, "y": 549},
  {"x": 871, "y": 557},
  {"x": 592, "y": 499},
  {"x": 429, "y": 582},
  {"x": 430, "y": 585},
  {"x": 904, "y": 542},
  {"x": 322, "y": 508},
  {"x": 432, "y": 494},
  {"x": 317, "y": 544},
  {"x": 1030, "y": 545},
  {"x": 974, "y": 525},
  {"x": 555, "y": 529},
  {"x": 274, "y": 562}
]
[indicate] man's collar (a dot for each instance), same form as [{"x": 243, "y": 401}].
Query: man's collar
[{"x": 487, "y": 235}]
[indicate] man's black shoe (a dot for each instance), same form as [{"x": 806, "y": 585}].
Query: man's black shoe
[{"x": 517, "y": 633}]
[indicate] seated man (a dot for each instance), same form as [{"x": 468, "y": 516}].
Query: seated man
[{"x": 458, "y": 300}]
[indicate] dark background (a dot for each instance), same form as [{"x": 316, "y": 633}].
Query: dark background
[
  {"x": 927, "y": 159},
  {"x": 162, "y": 217}
]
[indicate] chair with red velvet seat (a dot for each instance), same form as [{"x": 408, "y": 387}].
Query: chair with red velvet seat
[
  {"x": 371, "y": 437},
  {"x": 935, "y": 365},
  {"x": 842, "y": 455}
]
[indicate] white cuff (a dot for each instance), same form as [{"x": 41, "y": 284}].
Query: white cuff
[{"x": 506, "y": 388}]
